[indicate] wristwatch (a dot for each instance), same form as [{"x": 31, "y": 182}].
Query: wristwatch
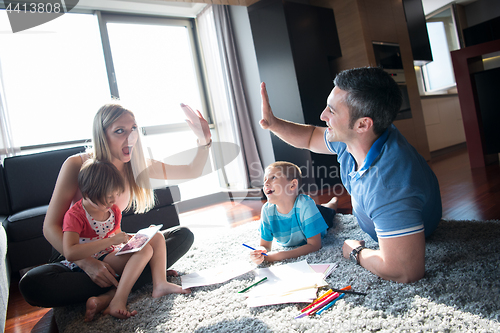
[{"x": 355, "y": 254}]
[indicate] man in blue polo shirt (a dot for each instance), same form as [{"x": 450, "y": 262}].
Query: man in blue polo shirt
[{"x": 395, "y": 195}]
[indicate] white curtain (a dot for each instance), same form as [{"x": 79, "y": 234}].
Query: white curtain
[
  {"x": 6, "y": 143},
  {"x": 228, "y": 97}
]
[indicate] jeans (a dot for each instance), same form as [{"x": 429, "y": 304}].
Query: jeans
[{"x": 54, "y": 285}]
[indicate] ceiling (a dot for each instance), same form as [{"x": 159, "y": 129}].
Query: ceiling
[{"x": 191, "y": 9}]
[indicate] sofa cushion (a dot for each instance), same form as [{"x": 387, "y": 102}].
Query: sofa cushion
[
  {"x": 166, "y": 215},
  {"x": 167, "y": 196},
  {"x": 31, "y": 179},
  {"x": 26, "y": 225},
  {"x": 163, "y": 197},
  {"x": 164, "y": 212},
  {"x": 28, "y": 253}
]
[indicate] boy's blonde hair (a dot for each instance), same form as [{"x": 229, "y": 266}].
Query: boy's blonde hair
[
  {"x": 141, "y": 194},
  {"x": 290, "y": 170},
  {"x": 98, "y": 179}
]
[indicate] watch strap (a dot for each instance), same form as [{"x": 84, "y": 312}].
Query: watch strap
[{"x": 355, "y": 254}]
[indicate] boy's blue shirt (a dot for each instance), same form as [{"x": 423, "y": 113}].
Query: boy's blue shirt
[{"x": 303, "y": 221}]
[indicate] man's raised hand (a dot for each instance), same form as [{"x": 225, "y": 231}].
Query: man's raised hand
[{"x": 267, "y": 114}]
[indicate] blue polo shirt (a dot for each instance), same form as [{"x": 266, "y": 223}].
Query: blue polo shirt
[
  {"x": 395, "y": 192},
  {"x": 303, "y": 221}
]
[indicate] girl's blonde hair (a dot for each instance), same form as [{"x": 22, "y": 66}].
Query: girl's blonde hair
[{"x": 141, "y": 194}]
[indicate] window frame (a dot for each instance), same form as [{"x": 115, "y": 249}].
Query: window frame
[
  {"x": 103, "y": 17},
  {"x": 422, "y": 70},
  {"x": 189, "y": 24}
]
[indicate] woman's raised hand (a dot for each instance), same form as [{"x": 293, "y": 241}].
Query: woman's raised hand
[{"x": 198, "y": 124}]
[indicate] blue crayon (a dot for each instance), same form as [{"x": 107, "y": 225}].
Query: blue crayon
[
  {"x": 251, "y": 248},
  {"x": 329, "y": 305}
]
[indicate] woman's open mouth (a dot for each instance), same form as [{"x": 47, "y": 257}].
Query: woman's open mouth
[{"x": 127, "y": 150}]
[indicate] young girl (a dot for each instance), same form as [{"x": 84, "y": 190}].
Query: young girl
[{"x": 91, "y": 228}]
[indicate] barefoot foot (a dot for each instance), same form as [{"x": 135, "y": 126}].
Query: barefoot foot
[
  {"x": 121, "y": 314},
  {"x": 118, "y": 310},
  {"x": 171, "y": 272},
  {"x": 91, "y": 308},
  {"x": 165, "y": 288},
  {"x": 331, "y": 204},
  {"x": 97, "y": 304}
]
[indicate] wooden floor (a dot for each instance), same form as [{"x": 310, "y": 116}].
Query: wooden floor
[{"x": 467, "y": 195}]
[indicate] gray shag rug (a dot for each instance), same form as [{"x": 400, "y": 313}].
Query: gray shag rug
[{"x": 459, "y": 293}]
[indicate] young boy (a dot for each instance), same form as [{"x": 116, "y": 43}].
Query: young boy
[
  {"x": 91, "y": 227},
  {"x": 291, "y": 218}
]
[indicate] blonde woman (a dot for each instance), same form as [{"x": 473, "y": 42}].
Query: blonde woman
[{"x": 115, "y": 139}]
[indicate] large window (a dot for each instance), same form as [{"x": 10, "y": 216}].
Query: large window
[
  {"x": 154, "y": 67},
  {"x": 57, "y": 75},
  {"x": 54, "y": 79},
  {"x": 441, "y": 26}
]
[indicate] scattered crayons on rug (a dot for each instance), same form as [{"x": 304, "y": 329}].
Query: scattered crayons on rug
[{"x": 324, "y": 302}]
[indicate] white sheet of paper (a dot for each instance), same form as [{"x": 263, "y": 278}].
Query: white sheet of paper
[
  {"x": 215, "y": 275},
  {"x": 291, "y": 283},
  {"x": 301, "y": 296}
]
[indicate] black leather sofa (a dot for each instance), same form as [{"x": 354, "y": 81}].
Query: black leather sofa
[{"x": 26, "y": 186}]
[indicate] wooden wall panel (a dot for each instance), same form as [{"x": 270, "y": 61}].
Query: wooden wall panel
[
  {"x": 351, "y": 32},
  {"x": 380, "y": 21}
]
